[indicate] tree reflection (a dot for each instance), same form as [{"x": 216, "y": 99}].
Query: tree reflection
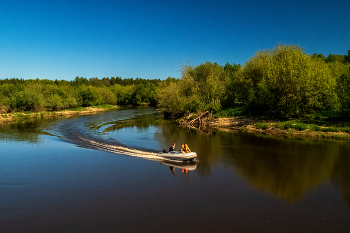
[
  {"x": 341, "y": 174},
  {"x": 25, "y": 130},
  {"x": 284, "y": 168}
]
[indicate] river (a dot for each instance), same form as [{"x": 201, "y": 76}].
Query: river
[{"x": 65, "y": 175}]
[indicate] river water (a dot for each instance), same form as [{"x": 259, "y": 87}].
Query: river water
[{"x": 65, "y": 175}]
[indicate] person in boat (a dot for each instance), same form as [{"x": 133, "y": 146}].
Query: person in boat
[
  {"x": 172, "y": 147},
  {"x": 185, "y": 148}
]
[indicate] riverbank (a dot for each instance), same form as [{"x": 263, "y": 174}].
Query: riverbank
[
  {"x": 11, "y": 117},
  {"x": 319, "y": 127},
  {"x": 338, "y": 130}
]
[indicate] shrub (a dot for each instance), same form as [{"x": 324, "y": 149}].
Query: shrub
[
  {"x": 288, "y": 125},
  {"x": 315, "y": 127},
  {"x": 87, "y": 97},
  {"x": 299, "y": 126},
  {"x": 243, "y": 129},
  {"x": 54, "y": 103},
  {"x": 330, "y": 129},
  {"x": 259, "y": 125},
  {"x": 230, "y": 112},
  {"x": 26, "y": 101}
]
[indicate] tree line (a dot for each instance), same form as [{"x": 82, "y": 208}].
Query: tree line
[
  {"x": 283, "y": 82},
  {"x": 39, "y": 95}
]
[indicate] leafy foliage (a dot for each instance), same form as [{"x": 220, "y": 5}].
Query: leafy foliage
[
  {"x": 285, "y": 82},
  {"x": 35, "y": 95}
]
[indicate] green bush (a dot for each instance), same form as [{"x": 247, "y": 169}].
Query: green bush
[
  {"x": 330, "y": 129},
  {"x": 288, "y": 125},
  {"x": 259, "y": 125},
  {"x": 343, "y": 87},
  {"x": 230, "y": 112},
  {"x": 26, "y": 101},
  {"x": 243, "y": 129},
  {"x": 315, "y": 127},
  {"x": 299, "y": 126},
  {"x": 87, "y": 97},
  {"x": 54, "y": 103}
]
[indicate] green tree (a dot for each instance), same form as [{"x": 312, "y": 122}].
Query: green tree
[
  {"x": 336, "y": 58},
  {"x": 286, "y": 82},
  {"x": 343, "y": 87},
  {"x": 320, "y": 56}
]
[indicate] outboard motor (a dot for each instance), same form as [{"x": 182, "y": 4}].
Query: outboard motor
[{"x": 165, "y": 151}]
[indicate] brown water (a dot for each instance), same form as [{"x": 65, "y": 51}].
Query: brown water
[{"x": 51, "y": 182}]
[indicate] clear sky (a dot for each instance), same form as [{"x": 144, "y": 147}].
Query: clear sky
[{"x": 62, "y": 39}]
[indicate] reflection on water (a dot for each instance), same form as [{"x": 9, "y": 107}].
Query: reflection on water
[
  {"x": 285, "y": 168},
  {"x": 25, "y": 131},
  {"x": 341, "y": 173},
  {"x": 184, "y": 167},
  {"x": 289, "y": 169}
]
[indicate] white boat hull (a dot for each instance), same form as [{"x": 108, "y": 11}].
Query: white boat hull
[{"x": 178, "y": 156}]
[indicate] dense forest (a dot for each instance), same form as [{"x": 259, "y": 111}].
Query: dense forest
[
  {"x": 38, "y": 95},
  {"x": 282, "y": 82}
]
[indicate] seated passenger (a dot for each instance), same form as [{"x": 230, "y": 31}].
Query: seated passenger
[{"x": 185, "y": 148}]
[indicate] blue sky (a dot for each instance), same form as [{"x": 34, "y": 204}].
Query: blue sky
[{"x": 51, "y": 39}]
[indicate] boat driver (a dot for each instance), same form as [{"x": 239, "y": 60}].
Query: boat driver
[{"x": 172, "y": 148}]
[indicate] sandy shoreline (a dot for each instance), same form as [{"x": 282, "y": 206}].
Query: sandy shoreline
[{"x": 10, "y": 117}]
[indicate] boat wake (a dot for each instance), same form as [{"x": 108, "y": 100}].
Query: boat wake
[{"x": 73, "y": 132}]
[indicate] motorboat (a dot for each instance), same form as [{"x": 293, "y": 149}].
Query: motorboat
[{"x": 178, "y": 156}]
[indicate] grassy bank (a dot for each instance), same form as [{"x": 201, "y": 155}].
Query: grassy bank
[
  {"x": 16, "y": 116},
  {"x": 322, "y": 124}
]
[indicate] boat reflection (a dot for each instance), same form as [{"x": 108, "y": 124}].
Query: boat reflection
[{"x": 184, "y": 166}]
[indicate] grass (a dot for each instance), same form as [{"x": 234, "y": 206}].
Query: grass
[
  {"x": 192, "y": 117},
  {"x": 329, "y": 129},
  {"x": 243, "y": 129},
  {"x": 259, "y": 125},
  {"x": 104, "y": 106},
  {"x": 322, "y": 124},
  {"x": 300, "y": 126},
  {"x": 230, "y": 112},
  {"x": 288, "y": 125},
  {"x": 333, "y": 136},
  {"x": 347, "y": 130},
  {"x": 75, "y": 109},
  {"x": 314, "y": 127},
  {"x": 284, "y": 125}
]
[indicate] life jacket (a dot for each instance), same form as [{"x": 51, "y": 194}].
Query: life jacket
[{"x": 185, "y": 148}]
